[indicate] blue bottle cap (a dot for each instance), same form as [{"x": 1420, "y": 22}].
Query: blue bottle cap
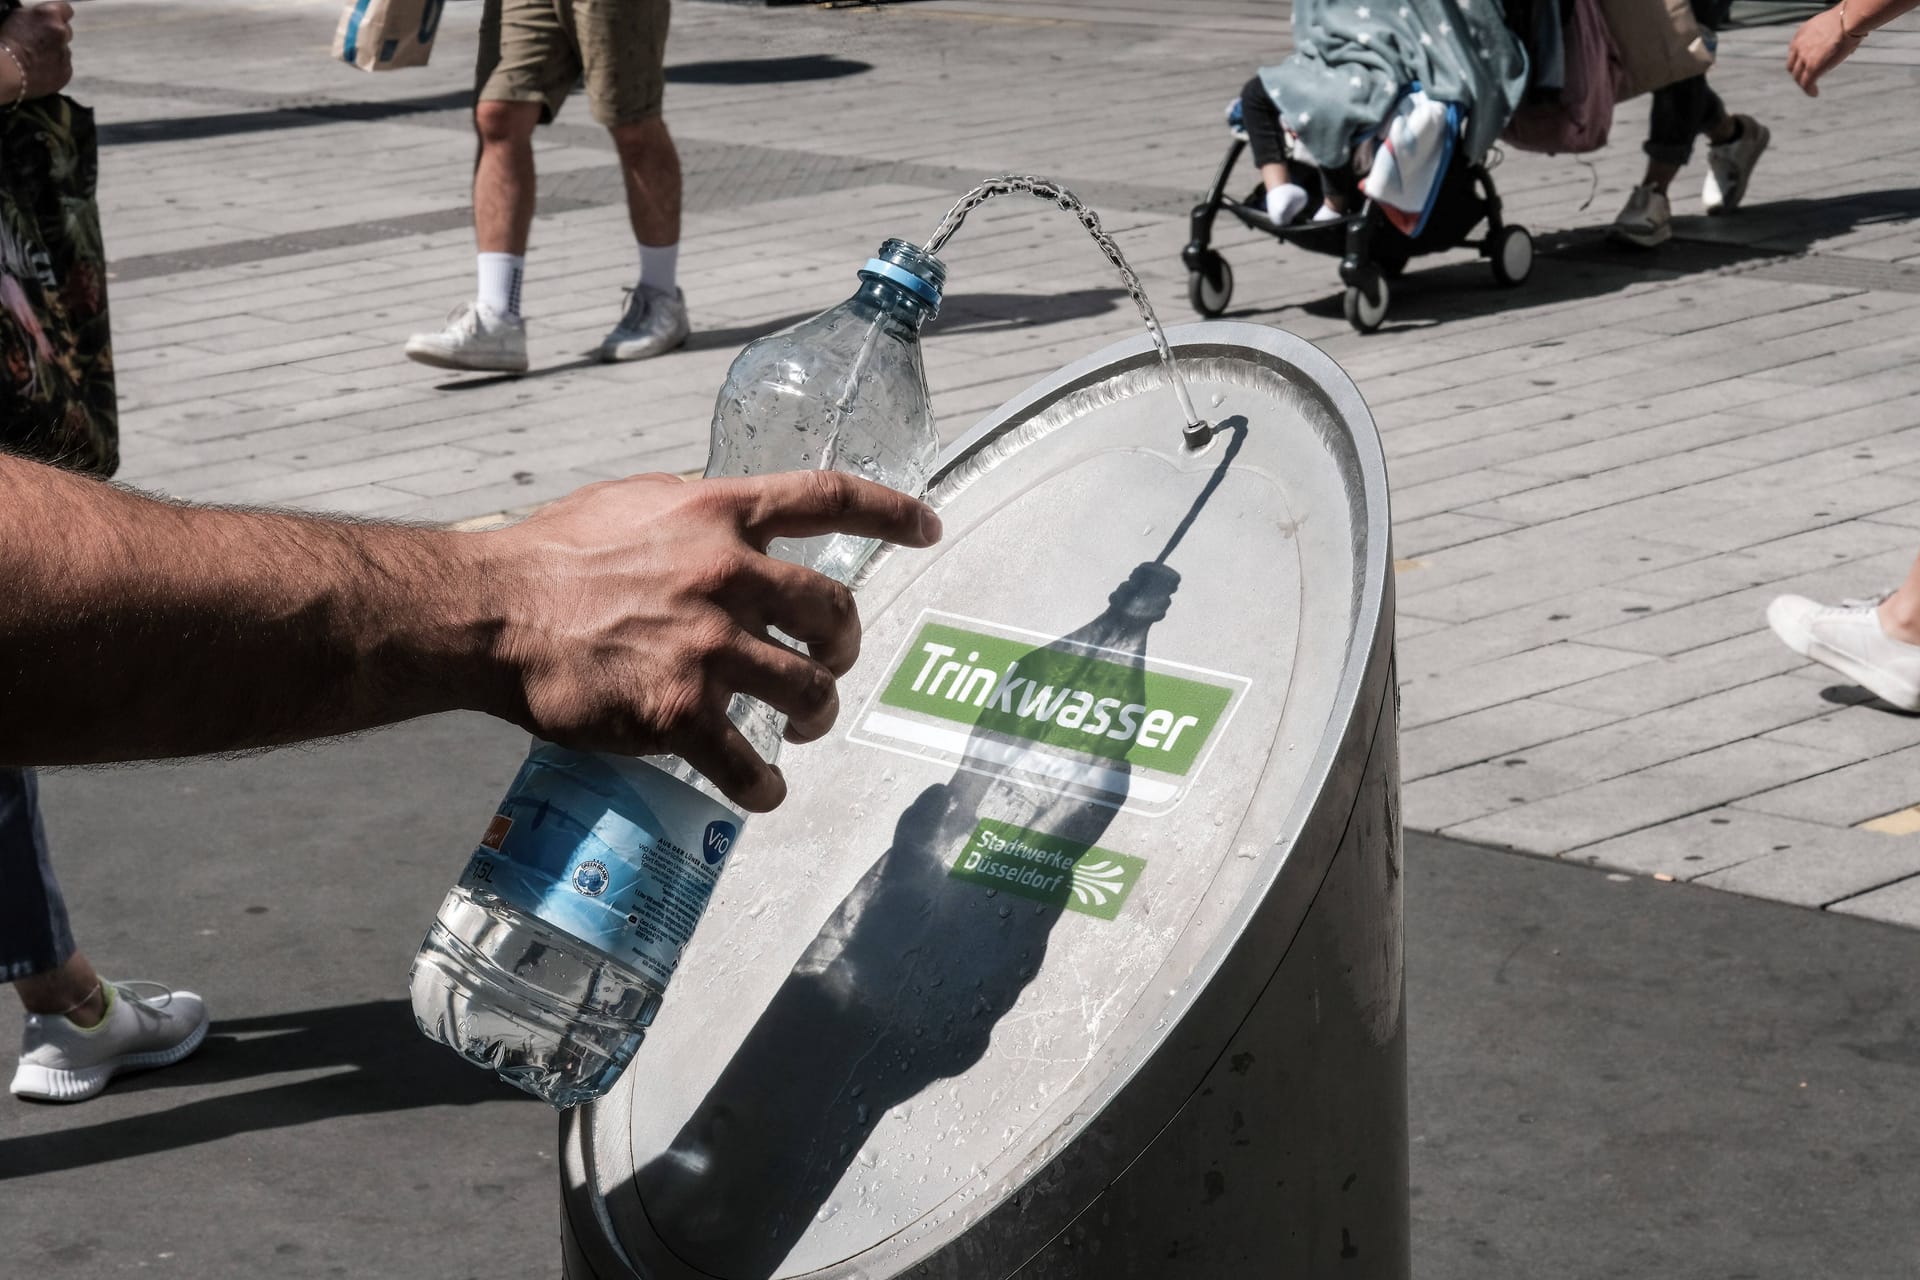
[{"x": 906, "y": 279}]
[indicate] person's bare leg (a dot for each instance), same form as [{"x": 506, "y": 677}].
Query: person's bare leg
[
  {"x": 488, "y": 335},
  {"x": 503, "y": 178},
  {"x": 1900, "y": 612},
  {"x": 73, "y": 989},
  {"x": 1274, "y": 175},
  {"x": 651, "y": 166},
  {"x": 655, "y": 321}
]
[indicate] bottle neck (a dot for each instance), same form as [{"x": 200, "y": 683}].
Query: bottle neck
[{"x": 904, "y": 310}]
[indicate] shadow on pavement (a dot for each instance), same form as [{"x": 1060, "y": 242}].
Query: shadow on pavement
[
  {"x": 120, "y": 133},
  {"x": 961, "y": 313},
  {"x": 733, "y": 71},
  {"x": 1612, "y": 1076},
  {"x": 390, "y": 1067},
  {"x": 1852, "y": 695},
  {"x": 1001, "y": 312},
  {"x": 789, "y": 70},
  {"x": 1584, "y": 263}
]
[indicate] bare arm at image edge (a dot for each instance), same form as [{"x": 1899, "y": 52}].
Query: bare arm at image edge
[
  {"x": 1828, "y": 38},
  {"x": 621, "y": 618}
]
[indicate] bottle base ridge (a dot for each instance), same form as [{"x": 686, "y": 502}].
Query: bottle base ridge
[{"x": 547, "y": 1015}]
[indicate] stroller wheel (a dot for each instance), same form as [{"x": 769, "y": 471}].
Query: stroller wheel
[
  {"x": 1512, "y": 256},
  {"x": 1210, "y": 286},
  {"x": 1363, "y": 313}
]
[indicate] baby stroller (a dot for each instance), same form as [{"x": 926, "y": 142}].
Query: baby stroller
[{"x": 1372, "y": 250}]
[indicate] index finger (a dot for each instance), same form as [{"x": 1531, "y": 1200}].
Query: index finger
[{"x": 802, "y": 504}]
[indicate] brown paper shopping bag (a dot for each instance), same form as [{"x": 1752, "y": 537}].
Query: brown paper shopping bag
[
  {"x": 385, "y": 35},
  {"x": 1660, "y": 43}
]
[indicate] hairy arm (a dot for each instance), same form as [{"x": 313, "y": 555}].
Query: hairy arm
[
  {"x": 622, "y": 618},
  {"x": 133, "y": 628}
]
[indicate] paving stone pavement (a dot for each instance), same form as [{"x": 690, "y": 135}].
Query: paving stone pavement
[{"x": 1600, "y": 479}]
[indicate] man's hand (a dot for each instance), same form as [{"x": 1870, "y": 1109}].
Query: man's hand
[
  {"x": 630, "y": 613},
  {"x": 41, "y": 37}
]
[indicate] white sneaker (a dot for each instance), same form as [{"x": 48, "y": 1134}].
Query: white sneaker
[
  {"x": 1730, "y": 164},
  {"x": 654, "y": 324},
  {"x": 1647, "y": 220},
  {"x": 60, "y": 1062},
  {"x": 1848, "y": 638},
  {"x": 477, "y": 339}
]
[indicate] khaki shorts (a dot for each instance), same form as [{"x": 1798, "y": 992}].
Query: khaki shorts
[{"x": 536, "y": 51}]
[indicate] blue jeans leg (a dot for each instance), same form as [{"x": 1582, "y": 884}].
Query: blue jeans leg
[{"x": 35, "y": 936}]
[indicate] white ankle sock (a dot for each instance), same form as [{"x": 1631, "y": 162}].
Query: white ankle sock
[
  {"x": 658, "y": 263},
  {"x": 1327, "y": 213},
  {"x": 1285, "y": 202},
  {"x": 500, "y": 277}
]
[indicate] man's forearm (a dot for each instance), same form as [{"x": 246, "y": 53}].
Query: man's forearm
[
  {"x": 624, "y": 617},
  {"x": 135, "y": 628}
]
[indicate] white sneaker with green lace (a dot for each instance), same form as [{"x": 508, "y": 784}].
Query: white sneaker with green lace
[
  {"x": 61, "y": 1062},
  {"x": 654, "y": 323},
  {"x": 1848, "y": 637}
]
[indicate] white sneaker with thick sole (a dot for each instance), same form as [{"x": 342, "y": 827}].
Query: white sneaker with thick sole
[
  {"x": 477, "y": 339},
  {"x": 1730, "y": 164},
  {"x": 654, "y": 323},
  {"x": 1848, "y": 638},
  {"x": 152, "y": 1027},
  {"x": 1647, "y": 220}
]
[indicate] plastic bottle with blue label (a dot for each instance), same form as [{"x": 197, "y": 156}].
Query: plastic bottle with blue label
[{"x": 550, "y": 957}]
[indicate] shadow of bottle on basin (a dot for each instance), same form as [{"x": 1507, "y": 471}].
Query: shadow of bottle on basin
[{"x": 906, "y": 981}]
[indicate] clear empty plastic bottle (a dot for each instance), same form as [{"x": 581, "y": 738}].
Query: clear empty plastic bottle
[{"x": 551, "y": 954}]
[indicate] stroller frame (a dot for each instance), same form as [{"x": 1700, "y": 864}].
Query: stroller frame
[{"x": 1371, "y": 250}]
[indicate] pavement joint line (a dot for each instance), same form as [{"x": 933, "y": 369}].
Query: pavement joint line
[
  {"x": 1547, "y": 694},
  {"x": 1869, "y": 889},
  {"x": 1669, "y": 820}
]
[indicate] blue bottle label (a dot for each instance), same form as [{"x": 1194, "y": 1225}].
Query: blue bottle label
[{"x": 621, "y": 856}]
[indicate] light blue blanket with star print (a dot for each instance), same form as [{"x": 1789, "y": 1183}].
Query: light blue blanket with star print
[{"x": 1352, "y": 59}]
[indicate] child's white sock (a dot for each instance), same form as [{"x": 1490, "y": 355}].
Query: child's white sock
[
  {"x": 1285, "y": 202},
  {"x": 1327, "y": 213},
  {"x": 658, "y": 265},
  {"x": 500, "y": 276}
]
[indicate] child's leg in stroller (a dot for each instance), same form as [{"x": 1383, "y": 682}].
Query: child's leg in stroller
[{"x": 1285, "y": 199}]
